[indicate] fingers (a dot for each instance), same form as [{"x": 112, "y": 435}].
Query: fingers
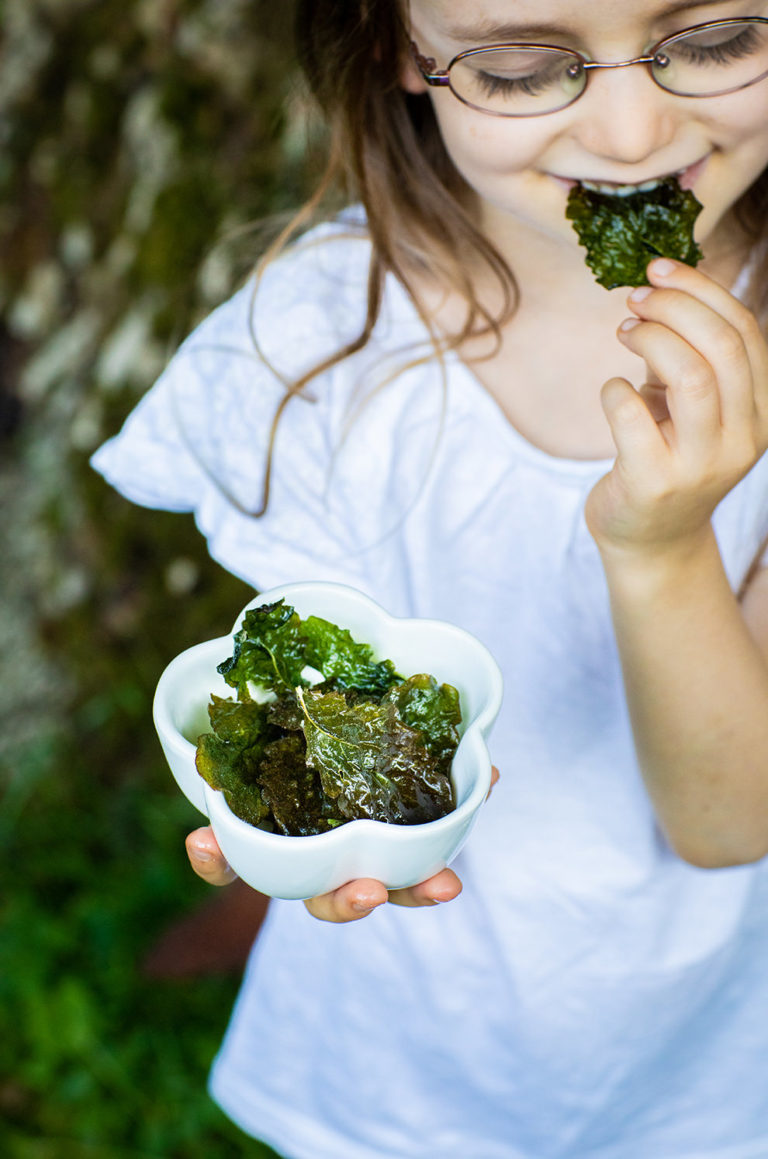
[
  {"x": 654, "y": 395},
  {"x": 206, "y": 858},
  {"x": 693, "y": 394},
  {"x": 444, "y": 886},
  {"x": 350, "y": 902},
  {"x": 666, "y": 274},
  {"x": 698, "y": 424},
  {"x": 633, "y": 426},
  {"x": 359, "y": 898},
  {"x": 706, "y": 348}
]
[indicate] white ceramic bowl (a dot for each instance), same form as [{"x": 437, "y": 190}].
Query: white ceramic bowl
[{"x": 398, "y": 855}]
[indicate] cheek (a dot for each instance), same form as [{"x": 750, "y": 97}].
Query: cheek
[
  {"x": 744, "y": 151},
  {"x": 480, "y": 145},
  {"x": 740, "y": 157},
  {"x": 742, "y": 122},
  {"x": 757, "y": 143}
]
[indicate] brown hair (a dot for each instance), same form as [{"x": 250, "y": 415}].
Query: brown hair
[
  {"x": 386, "y": 152},
  {"x": 752, "y": 215}
]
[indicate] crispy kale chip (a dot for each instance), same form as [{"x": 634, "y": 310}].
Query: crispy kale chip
[
  {"x": 371, "y": 763},
  {"x": 274, "y": 646},
  {"x": 269, "y": 651},
  {"x": 434, "y": 710},
  {"x": 343, "y": 661},
  {"x": 229, "y": 757},
  {"x": 293, "y": 791},
  {"x": 621, "y": 234},
  {"x": 363, "y": 742}
]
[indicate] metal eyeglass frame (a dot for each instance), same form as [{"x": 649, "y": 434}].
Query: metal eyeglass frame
[{"x": 439, "y": 77}]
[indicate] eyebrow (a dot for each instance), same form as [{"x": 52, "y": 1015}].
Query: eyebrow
[{"x": 490, "y": 32}]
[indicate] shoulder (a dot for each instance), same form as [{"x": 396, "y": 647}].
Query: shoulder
[
  {"x": 301, "y": 306},
  {"x": 211, "y": 414},
  {"x": 227, "y": 378},
  {"x": 301, "y": 309}
]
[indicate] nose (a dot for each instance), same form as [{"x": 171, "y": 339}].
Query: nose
[{"x": 624, "y": 116}]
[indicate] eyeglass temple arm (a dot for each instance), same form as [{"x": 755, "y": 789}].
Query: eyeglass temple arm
[{"x": 427, "y": 66}]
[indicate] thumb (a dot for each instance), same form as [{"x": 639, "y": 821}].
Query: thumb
[
  {"x": 633, "y": 427},
  {"x": 206, "y": 857}
]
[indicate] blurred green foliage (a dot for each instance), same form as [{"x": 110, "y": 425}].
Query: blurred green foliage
[{"x": 139, "y": 140}]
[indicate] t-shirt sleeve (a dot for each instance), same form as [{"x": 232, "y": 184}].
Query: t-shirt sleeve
[{"x": 199, "y": 439}]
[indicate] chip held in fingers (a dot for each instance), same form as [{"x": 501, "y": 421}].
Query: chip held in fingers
[{"x": 623, "y": 231}]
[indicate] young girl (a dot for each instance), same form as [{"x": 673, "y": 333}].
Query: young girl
[{"x": 471, "y": 428}]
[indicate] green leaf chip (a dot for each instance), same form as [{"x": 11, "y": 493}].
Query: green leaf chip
[{"x": 621, "y": 234}]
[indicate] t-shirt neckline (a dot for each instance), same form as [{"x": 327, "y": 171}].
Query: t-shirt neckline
[{"x": 457, "y": 369}]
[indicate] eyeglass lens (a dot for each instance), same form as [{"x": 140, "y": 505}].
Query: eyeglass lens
[{"x": 706, "y": 61}]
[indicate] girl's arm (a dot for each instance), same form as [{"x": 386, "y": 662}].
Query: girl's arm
[{"x": 695, "y": 661}]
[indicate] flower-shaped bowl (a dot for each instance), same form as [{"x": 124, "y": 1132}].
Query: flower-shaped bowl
[{"x": 397, "y": 855}]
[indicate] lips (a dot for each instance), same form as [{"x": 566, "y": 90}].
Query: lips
[
  {"x": 690, "y": 176},
  {"x": 686, "y": 179}
]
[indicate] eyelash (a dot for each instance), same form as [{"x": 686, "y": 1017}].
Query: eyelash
[
  {"x": 741, "y": 45},
  {"x": 497, "y": 84}
]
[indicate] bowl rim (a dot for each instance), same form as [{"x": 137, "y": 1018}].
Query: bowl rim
[{"x": 473, "y": 733}]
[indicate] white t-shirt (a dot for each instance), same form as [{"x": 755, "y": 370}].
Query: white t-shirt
[{"x": 589, "y": 995}]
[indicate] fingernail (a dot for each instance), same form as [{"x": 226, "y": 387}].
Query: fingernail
[
  {"x": 202, "y": 855},
  {"x": 663, "y": 267},
  {"x": 641, "y": 293},
  {"x": 629, "y": 324},
  {"x": 364, "y": 907}
]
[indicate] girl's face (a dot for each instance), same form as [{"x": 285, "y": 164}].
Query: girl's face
[{"x": 624, "y": 129}]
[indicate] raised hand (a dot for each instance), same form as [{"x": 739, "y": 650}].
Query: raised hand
[{"x": 698, "y": 425}]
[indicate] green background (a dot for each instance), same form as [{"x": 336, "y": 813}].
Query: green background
[{"x": 140, "y": 142}]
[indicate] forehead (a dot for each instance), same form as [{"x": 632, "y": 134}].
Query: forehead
[{"x": 479, "y": 21}]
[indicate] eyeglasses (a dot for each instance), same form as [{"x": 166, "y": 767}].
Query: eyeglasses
[{"x": 526, "y": 80}]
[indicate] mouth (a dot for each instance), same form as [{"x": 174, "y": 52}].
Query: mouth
[{"x": 685, "y": 177}]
